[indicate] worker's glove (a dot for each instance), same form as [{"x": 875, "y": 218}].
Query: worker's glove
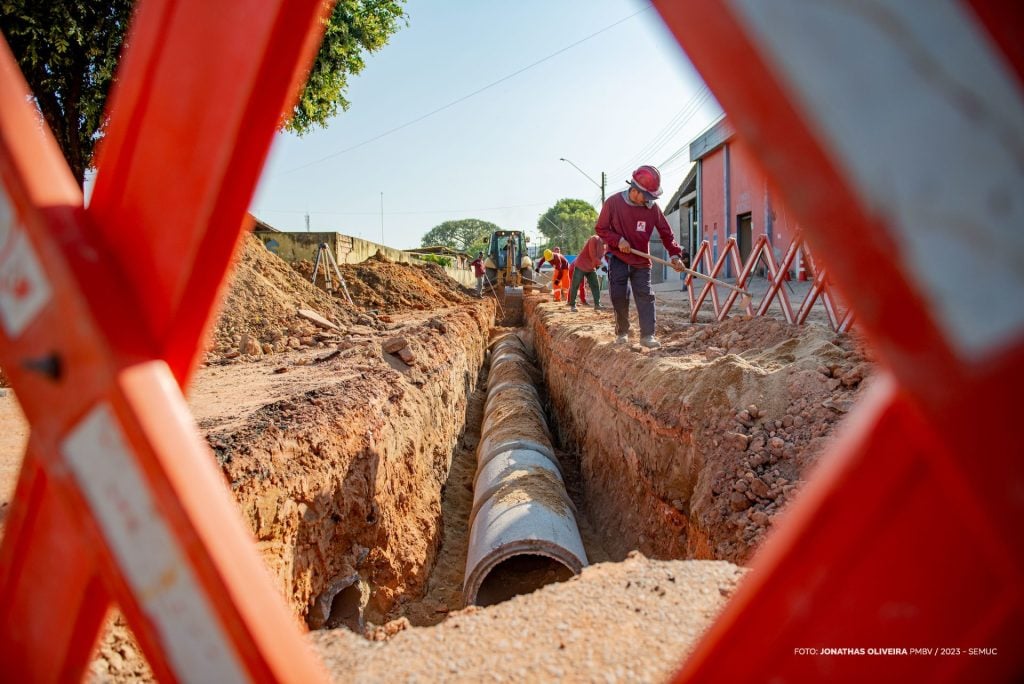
[
  {"x": 677, "y": 264},
  {"x": 623, "y": 245}
]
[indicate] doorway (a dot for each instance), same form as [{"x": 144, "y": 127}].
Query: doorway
[{"x": 744, "y": 235}]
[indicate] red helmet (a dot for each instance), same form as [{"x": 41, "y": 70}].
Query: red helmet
[{"x": 648, "y": 179}]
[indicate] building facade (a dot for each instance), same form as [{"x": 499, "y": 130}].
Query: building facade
[{"x": 733, "y": 197}]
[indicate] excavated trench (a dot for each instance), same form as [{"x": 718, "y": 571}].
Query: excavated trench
[
  {"x": 385, "y": 494},
  {"x": 508, "y": 459}
]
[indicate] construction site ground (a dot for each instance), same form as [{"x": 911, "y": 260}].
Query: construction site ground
[{"x": 350, "y": 446}]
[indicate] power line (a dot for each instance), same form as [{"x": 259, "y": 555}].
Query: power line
[
  {"x": 464, "y": 97},
  {"x": 394, "y": 213},
  {"x": 683, "y": 117}
]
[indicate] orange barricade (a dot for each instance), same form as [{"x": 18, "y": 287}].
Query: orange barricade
[
  {"x": 102, "y": 312},
  {"x": 777, "y": 277},
  {"x": 902, "y": 560}
]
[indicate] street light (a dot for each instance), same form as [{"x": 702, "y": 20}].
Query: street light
[{"x": 600, "y": 185}]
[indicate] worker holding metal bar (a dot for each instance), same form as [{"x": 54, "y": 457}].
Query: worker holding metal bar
[{"x": 625, "y": 224}]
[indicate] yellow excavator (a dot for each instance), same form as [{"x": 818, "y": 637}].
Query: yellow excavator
[{"x": 509, "y": 271}]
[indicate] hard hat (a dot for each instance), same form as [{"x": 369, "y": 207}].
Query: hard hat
[
  {"x": 647, "y": 179},
  {"x": 548, "y": 254}
]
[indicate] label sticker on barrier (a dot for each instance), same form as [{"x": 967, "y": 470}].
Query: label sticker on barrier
[
  {"x": 24, "y": 289},
  {"x": 146, "y": 550}
]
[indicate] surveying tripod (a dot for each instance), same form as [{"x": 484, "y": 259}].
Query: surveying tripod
[{"x": 324, "y": 257}]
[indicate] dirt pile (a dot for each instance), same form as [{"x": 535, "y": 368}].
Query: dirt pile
[
  {"x": 258, "y": 315},
  {"x": 626, "y": 622},
  {"x": 384, "y": 286},
  {"x": 692, "y": 450}
]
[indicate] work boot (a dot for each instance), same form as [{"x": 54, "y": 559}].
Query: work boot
[
  {"x": 573, "y": 308},
  {"x": 597, "y": 307},
  {"x": 651, "y": 342},
  {"x": 622, "y": 339}
]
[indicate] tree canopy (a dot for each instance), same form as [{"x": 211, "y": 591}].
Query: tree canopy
[
  {"x": 568, "y": 224},
  {"x": 68, "y": 51},
  {"x": 465, "y": 235}
]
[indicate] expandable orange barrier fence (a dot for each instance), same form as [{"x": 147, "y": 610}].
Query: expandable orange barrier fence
[
  {"x": 890, "y": 129},
  {"x": 906, "y": 538},
  {"x": 762, "y": 253},
  {"x": 102, "y": 313}
]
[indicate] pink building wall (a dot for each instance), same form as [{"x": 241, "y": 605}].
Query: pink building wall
[{"x": 729, "y": 180}]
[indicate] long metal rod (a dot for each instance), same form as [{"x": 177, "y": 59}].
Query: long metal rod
[{"x": 695, "y": 274}]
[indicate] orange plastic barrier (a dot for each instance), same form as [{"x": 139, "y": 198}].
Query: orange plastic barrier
[
  {"x": 778, "y": 274},
  {"x": 102, "y": 312},
  {"x": 902, "y": 560}
]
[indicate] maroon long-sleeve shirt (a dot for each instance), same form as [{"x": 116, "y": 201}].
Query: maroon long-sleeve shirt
[
  {"x": 620, "y": 218},
  {"x": 589, "y": 257}
]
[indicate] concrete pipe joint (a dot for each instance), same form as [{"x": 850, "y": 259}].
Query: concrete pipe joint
[{"x": 523, "y": 531}]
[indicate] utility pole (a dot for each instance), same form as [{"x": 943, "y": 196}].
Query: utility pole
[
  {"x": 600, "y": 185},
  {"x": 307, "y": 221}
]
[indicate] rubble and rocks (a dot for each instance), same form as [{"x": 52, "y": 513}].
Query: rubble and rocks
[{"x": 260, "y": 304}]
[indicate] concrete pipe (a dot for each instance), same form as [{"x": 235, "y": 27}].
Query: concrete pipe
[
  {"x": 506, "y": 466},
  {"x": 523, "y": 531}
]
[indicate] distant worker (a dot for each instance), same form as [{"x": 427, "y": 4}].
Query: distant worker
[
  {"x": 478, "y": 270},
  {"x": 585, "y": 266},
  {"x": 626, "y": 222},
  {"x": 574, "y": 285},
  {"x": 560, "y": 276}
]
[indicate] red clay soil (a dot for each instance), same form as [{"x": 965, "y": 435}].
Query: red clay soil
[
  {"x": 384, "y": 286},
  {"x": 693, "y": 449},
  {"x": 260, "y": 302},
  {"x": 344, "y": 459}
]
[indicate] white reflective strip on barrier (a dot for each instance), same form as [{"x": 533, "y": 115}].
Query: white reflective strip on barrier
[
  {"x": 921, "y": 113},
  {"x": 147, "y": 553},
  {"x": 24, "y": 289}
]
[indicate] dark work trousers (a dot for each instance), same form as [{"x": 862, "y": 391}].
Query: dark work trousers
[
  {"x": 621, "y": 278},
  {"x": 577, "y": 279}
]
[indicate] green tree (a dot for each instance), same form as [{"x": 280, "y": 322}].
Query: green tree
[
  {"x": 466, "y": 235},
  {"x": 568, "y": 224},
  {"x": 68, "y": 51}
]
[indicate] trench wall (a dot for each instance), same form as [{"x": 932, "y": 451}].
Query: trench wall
[
  {"x": 671, "y": 460},
  {"x": 636, "y": 449},
  {"x": 347, "y": 480}
]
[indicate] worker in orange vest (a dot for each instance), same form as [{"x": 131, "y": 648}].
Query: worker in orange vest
[{"x": 560, "y": 277}]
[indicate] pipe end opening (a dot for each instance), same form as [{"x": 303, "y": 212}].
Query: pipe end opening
[{"x": 520, "y": 574}]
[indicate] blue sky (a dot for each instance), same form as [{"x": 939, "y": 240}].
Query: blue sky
[{"x": 621, "y": 98}]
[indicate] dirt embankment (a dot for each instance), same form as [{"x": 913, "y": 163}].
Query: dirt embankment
[
  {"x": 384, "y": 286},
  {"x": 336, "y": 442},
  {"x": 343, "y": 477},
  {"x": 691, "y": 450}
]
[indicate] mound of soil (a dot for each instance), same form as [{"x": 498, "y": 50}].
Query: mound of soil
[
  {"x": 262, "y": 297},
  {"x": 692, "y": 450},
  {"x": 384, "y": 286}
]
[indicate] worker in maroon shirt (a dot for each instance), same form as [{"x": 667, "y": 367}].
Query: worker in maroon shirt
[
  {"x": 478, "y": 271},
  {"x": 585, "y": 266},
  {"x": 626, "y": 222}
]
